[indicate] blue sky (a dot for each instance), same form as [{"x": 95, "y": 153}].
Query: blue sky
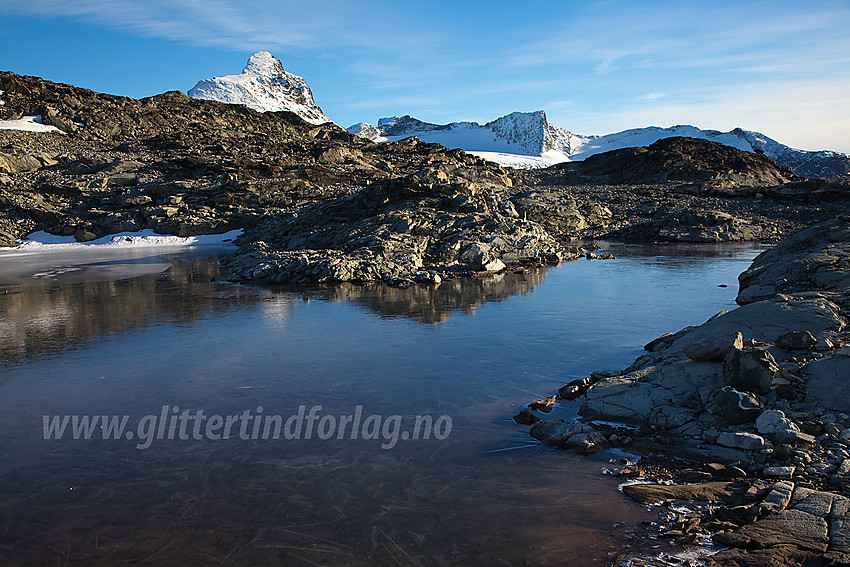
[{"x": 780, "y": 68}]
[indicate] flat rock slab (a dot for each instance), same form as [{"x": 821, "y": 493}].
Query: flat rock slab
[
  {"x": 777, "y": 556},
  {"x": 839, "y": 529},
  {"x": 828, "y": 380},
  {"x": 765, "y": 320},
  {"x": 648, "y": 494},
  {"x": 793, "y": 527}
]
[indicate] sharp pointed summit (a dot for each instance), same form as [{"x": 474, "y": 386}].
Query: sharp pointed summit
[{"x": 264, "y": 85}]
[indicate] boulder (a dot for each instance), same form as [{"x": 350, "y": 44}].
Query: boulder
[
  {"x": 736, "y": 407},
  {"x": 773, "y": 421},
  {"x": 796, "y": 340},
  {"x": 714, "y": 349},
  {"x": 751, "y": 371}
]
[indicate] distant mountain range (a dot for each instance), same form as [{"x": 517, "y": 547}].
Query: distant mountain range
[
  {"x": 528, "y": 140},
  {"x": 520, "y": 139}
]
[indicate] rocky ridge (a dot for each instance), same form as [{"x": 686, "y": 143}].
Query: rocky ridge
[
  {"x": 184, "y": 166},
  {"x": 760, "y": 389}
]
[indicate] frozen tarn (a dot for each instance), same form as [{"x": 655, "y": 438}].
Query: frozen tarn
[
  {"x": 38, "y": 242},
  {"x": 28, "y": 124},
  {"x": 263, "y": 86}
]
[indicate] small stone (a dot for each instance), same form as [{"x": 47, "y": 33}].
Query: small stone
[
  {"x": 577, "y": 388},
  {"x": 832, "y": 429},
  {"x": 742, "y": 440},
  {"x": 736, "y": 407},
  {"x": 122, "y": 180},
  {"x": 735, "y": 472},
  {"x": 796, "y": 340},
  {"x": 545, "y": 405},
  {"x": 779, "y": 472},
  {"x": 779, "y": 496},
  {"x": 694, "y": 476},
  {"x": 526, "y": 417},
  {"x": 585, "y": 443},
  {"x": 82, "y": 235},
  {"x": 494, "y": 265},
  {"x": 794, "y": 437},
  {"x": 554, "y": 432},
  {"x": 783, "y": 452}
]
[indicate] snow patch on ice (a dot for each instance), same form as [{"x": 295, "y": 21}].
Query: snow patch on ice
[
  {"x": 28, "y": 124},
  {"x": 44, "y": 242}
]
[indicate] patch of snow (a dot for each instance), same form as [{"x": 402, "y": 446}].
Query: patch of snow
[
  {"x": 516, "y": 161},
  {"x": 2, "y": 102},
  {"x": 41, "y": 241},
  {"x": 263, "y": 86},
  {"x": 28, "y": 124}
]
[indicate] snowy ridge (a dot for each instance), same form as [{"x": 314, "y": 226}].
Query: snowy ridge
[
  {"x": 264, "y": 86},
  {"x": 526, "y": 134},
  {"x": 527, "y": 140}
]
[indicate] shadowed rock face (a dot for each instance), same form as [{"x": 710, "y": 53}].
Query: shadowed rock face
[{"x": 682, "y": 160}]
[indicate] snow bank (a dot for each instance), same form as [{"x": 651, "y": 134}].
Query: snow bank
[
  {"x": 28, "y": 124},
  {"x": 44, "y": 242}
]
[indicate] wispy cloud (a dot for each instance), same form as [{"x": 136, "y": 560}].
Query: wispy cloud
[{"x": 242, "y": 25}]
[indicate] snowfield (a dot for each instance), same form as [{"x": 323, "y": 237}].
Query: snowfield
[{"x": 28, "y": 124}]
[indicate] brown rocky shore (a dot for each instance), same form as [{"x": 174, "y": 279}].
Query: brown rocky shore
[{"x": 750, "y": 408}]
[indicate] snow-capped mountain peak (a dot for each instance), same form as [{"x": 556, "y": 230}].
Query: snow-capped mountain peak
[
  {"x": 264, "y": 65},
  {"x": 264, "y": 85}
]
